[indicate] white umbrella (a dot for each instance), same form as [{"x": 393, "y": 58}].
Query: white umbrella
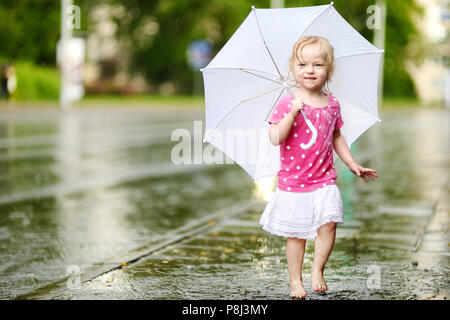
[{"x": 251, "y": 72}]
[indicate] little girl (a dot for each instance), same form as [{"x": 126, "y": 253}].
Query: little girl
[{"x": 307, "y": 203}]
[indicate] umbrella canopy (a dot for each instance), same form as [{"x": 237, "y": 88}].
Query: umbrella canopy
[{"x": 251, "y": 72}]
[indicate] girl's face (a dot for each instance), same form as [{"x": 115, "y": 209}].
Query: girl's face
[{"x": 310, "y": 69}]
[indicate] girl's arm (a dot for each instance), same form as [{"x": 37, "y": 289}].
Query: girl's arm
[
  {"x": 342, "y": 150},
  {"x": 280, "y": 131}
]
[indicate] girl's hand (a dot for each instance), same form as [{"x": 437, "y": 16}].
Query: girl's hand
[
  {"x": 296, "y": 105},
  {"x": 363, "y": 172}
]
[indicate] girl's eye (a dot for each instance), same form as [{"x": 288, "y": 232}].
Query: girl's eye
[
  {"x": 301, "y": 64},
  {"x": 319, "y": 65}
]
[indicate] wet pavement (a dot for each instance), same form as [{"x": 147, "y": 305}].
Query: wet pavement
[{"x": 91, "y": 196}]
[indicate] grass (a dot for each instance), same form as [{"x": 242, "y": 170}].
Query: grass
[
  {"x": 34, "y": 83},
  {"x": 409, "y": 103},
  {"x": 142, "y": 100}
]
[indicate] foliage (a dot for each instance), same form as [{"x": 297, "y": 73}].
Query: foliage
[
  {"x": 34, "y": 82},
  {"x": 401, "y": 34},
  {"x": 155, "y": 33},
  {"x": 29, "y": 30},
  {"x": 162, "y": 57}
]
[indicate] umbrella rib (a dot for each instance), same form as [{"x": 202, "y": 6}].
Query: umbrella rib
[
  {"x": 257, "y": 75},
  {"x": 359, "y": 54},
  {"x": 242, "y": 101},
  {"x": 309, "y": 25},
  {"x": 237, "y": 68},
  {"x": 273, "y": 106},
  {"x": 259, "y": 95},
  {"x": 264, "y": 41},
  {"x": 293, "y": 82}
]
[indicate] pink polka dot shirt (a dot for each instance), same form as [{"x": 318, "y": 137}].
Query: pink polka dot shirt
[{"x": 307, "y": 170}]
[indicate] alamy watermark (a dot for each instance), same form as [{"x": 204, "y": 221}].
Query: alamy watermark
[
  {"x": 73, "y": 18},
  {"x": 244, "y": 146},
  {"x": 74, "y": 279},
  {"x": 374, "y": 280},
  {"x": 374, "y": 20}
]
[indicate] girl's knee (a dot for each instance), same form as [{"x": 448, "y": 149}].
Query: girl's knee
[{"x": 328, "y": 227}]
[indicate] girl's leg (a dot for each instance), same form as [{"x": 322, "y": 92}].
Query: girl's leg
[
  {"x": 322, "y": 248},
  {"x": 295, "y": 251}
]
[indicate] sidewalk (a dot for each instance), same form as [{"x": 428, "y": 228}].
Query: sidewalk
[
  {"x": 173, "y": 245},
  {"x": 231, "y": 257}
]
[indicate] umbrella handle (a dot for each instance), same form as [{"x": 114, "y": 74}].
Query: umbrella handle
[
  {"x": 314, "y": 134},
  {"x": 309, "y": 123}
]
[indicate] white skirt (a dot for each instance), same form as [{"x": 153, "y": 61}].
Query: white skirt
[{"x": 300, "y": 214}]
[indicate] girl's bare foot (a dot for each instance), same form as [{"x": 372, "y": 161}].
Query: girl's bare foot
[
  {"x": 297, "y": 290},
  {"x": 317, "y": 281}
]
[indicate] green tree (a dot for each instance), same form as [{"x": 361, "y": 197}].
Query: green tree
[
  {"x": 29, "y": 30},
  {"x": 403, "y": 42},
  {"x": 162, "y": 56},
  {"x": 156, "y": 33}
]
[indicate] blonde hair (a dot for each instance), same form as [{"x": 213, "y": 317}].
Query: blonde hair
[{"x": 326, "y": 47}]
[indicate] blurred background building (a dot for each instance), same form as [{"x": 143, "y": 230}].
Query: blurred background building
[{"x": 431, "y": 73}]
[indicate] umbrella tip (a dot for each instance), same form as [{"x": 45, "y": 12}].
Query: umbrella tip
[
  {"x": 332, "y": 3},
  {"x": 253, "y": 7}
]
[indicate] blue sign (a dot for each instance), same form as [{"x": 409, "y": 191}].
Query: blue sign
[{"x": 199, "y": 54}]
